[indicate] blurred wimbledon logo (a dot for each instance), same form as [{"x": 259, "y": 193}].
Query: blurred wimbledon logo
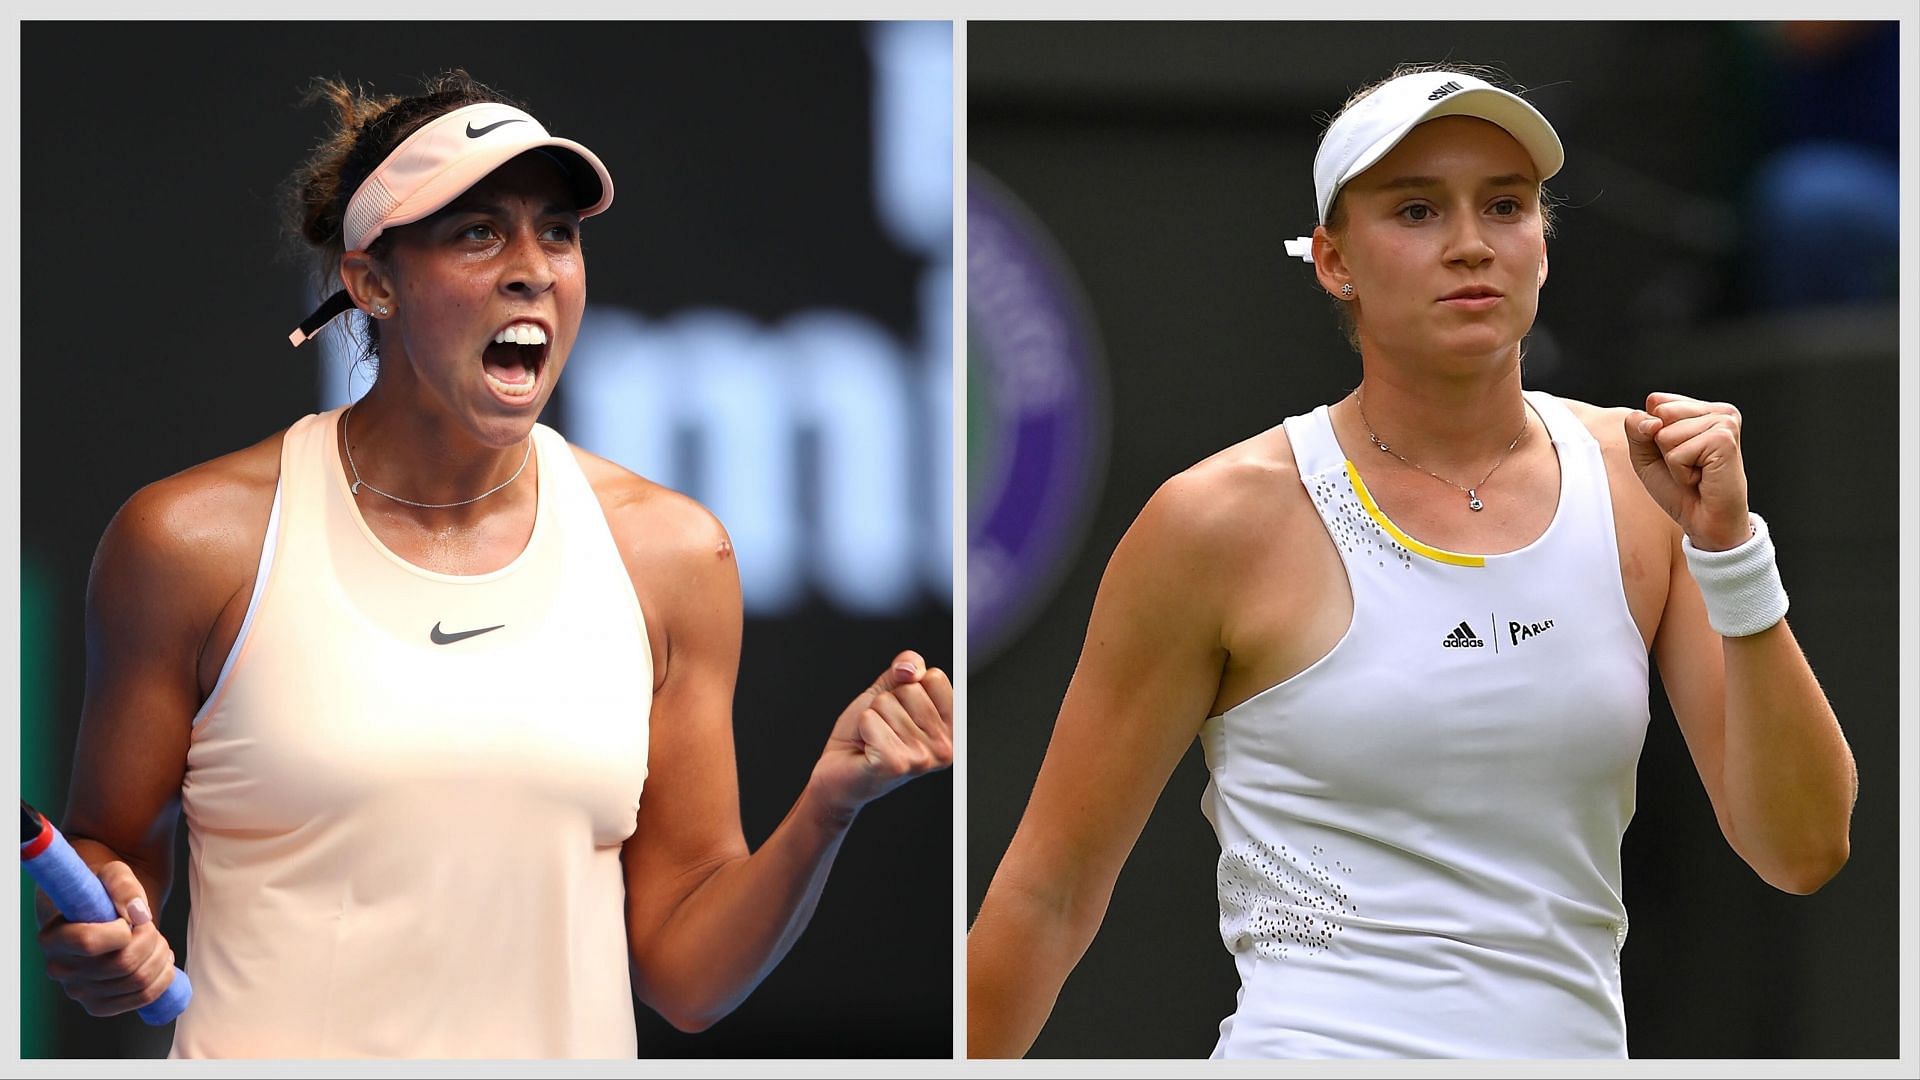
[{"x": 1036, "y": 416}]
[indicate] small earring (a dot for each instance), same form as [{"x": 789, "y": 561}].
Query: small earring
[
  {"x": 381, "y": 309},
  {"x": 1345, "y": 290}
]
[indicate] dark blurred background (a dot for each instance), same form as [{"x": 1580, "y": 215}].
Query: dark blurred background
[
  {"x": 777, "y": 259},
  {"x": 1728, "y": 231}
]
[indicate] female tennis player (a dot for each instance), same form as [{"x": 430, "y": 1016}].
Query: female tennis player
[
  {"x": 406, "y": 668},
  {"x": 1412, "y": 632}
]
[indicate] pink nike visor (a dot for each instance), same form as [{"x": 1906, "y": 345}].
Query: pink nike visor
[{"x": 434, "y": 165}]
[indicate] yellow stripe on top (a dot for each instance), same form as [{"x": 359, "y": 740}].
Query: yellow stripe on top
[{"x": 1451, "y": 558}]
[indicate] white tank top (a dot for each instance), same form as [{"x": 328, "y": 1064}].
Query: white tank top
[
  {"x": 407, "y": 792},
  {"x": 1420, "y": 833}
]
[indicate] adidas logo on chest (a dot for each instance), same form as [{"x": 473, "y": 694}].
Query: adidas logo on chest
[{"x": 1515, "y": 632}]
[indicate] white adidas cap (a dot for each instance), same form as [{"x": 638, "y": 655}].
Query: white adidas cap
[{"x": 1376, "y": 124}]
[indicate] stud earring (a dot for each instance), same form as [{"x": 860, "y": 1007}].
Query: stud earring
[
  {"x": 380, "y": 310},
  {"x": 1345, "y": 290}
]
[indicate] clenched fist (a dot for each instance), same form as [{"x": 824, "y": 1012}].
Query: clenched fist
[
  {"x": 898, "y": 728},
  {"x": 1687, "y": 453}
]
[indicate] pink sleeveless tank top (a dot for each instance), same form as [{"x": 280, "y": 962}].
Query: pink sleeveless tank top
[{"x": 407, "y": 792}]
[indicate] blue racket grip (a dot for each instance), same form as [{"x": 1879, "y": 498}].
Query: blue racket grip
[{"x": 74, "y": 888}]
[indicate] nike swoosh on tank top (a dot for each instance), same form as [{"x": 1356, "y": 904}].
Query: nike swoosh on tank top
[{"x": 408, "y": 849}]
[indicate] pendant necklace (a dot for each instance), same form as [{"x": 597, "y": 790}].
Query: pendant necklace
[{"x": 1473, "y": 497}]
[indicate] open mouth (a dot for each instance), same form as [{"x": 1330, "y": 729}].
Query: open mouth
[{"x": 512, "y": 362}]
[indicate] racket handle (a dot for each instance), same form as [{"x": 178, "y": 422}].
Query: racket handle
[{"x": 74, "y": 888}]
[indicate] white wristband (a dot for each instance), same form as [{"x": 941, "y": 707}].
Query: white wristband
[{"x": 1741, "y": 585}]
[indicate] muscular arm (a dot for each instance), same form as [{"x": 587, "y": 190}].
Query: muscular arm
[
  {"x": 141, "y": 693},
  {"x": 171, "y": 562},
  {"x": 1765, "y": 740},
  {"x": 1760, "y": 729},
  {"x": 706, "y": 920},
  {"x": 1148, "y": 672},
  {"x": 169, "y": 565}
]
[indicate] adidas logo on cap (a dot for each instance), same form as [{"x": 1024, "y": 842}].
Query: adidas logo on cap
[
  {"x": 1462, "y": 638},
  {"x": 1445, "y": 88}
]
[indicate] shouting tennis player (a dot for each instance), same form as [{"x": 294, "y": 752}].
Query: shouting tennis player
[{"x": 445, "y": 702}]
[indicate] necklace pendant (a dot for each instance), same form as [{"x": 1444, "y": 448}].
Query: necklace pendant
[
  {"x": 356, "y": 487},
  {"x": 1473, "y": 501}
]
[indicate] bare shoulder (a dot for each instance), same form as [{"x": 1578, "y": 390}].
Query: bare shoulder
[
  {"x": 1649, "y": 539},
  {"x": 1235, "y": 515},
  {"x": 201, "y": 526},
  {"x": 654, "y": 526},
  {"x": 179, "y": 558},
  {"x": 1607, "y": 424},
  {"x": 1231, "y": 500}
]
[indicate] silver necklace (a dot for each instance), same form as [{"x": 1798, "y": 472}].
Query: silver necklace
[
  {"x": 359, "y": 483},
  {"x": 1473, "y": 498}
]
